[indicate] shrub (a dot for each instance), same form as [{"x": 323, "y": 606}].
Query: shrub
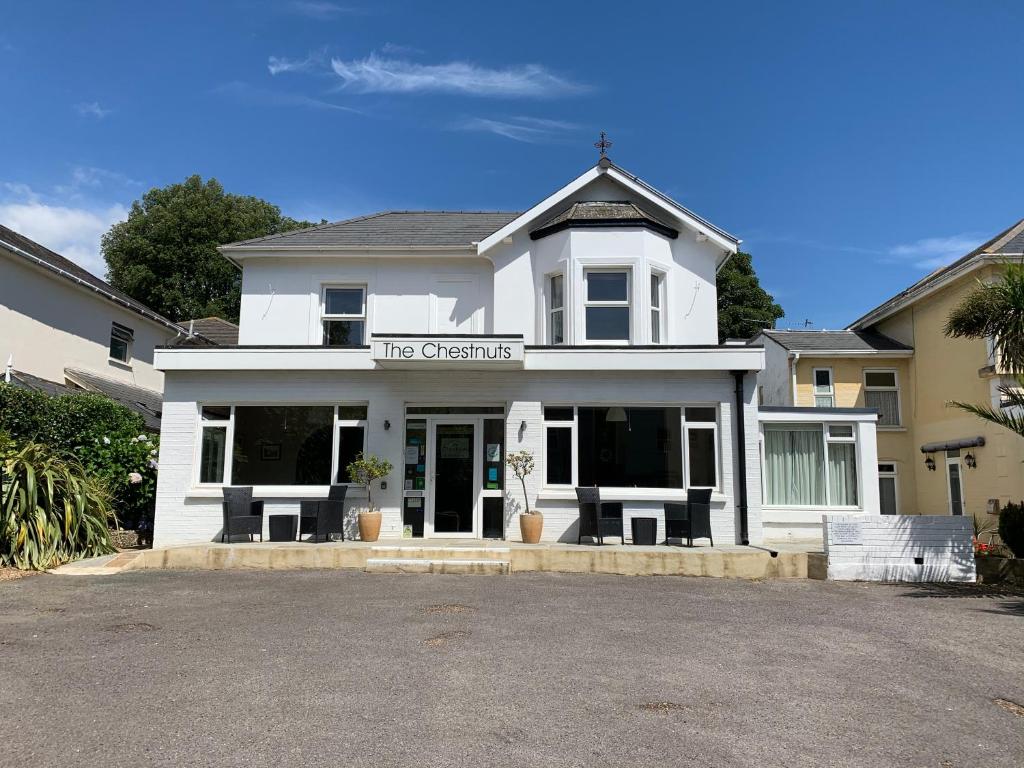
[
  {"x": 51, "y": 510},
  {"x": 1011, "y": 527}
]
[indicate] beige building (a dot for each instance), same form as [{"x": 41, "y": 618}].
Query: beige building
[{"x": 932, "y": 458}]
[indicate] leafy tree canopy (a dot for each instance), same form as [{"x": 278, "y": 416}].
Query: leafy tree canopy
[
  {"x": 165, "y": 254},
  {"x": 744, "y": 307}
]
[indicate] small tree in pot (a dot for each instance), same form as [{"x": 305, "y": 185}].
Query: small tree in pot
[
  {"x": 531, "y": 522},
  {"x": 365, "y": 471}
]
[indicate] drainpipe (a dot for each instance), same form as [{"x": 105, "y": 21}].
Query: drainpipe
[
  {"x": 741, "y": 455},
  {"x": 794, "y": 358}
]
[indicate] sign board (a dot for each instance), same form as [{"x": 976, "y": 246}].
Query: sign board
[
  {"x": 449, "y": 352},
  {"x": 846, "y": 532}
]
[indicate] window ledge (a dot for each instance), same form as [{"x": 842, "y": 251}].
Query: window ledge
[
  {"x": 891, "y": 429},
  {"x": 626, "y": 494},
  {"x": 274, "y": 492},
  {"x": 119, "y": 364}
]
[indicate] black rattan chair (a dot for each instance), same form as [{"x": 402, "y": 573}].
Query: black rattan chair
[
  {"x": 325, "y": 516},
  {"x": 691, "y": 520},
  {"x": 241, "y": 514},
  {"x": 598, "y": 518}
]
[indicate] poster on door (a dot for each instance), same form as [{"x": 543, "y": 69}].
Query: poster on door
[{"x": 456, "y": 447}]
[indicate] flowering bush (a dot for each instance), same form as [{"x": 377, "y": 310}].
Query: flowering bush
[{"x": 127, "y": 467}]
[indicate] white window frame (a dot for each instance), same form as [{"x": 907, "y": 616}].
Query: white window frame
[
  {"x": 229, "y": 443},
  {"x": 829, "y": 393},
  {"x": 950, "y": 461},
  {"x": 895, "y": 387},
  {"x": 574, "y": 460},
  {"x": 712, "y": 425},
  {"x": 129, "y": 343},
  {"x": 890, "y": 474},
  {"x": 552, "y": 310},
  {"x": 826, "y": 437},
  {"x": 336, "y": 439},
  {"x": 627, "y": 303},
  {"x": 325, "y": 317},
  {"x": 657, "y": 313}
]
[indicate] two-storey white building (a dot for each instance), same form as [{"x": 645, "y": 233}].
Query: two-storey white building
[{"x": 583, "y": 330}]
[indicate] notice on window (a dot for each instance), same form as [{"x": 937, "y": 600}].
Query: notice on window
[
  {"x": 494, "y": 452},
  {"x": 414, "y": 502},
  {"x": 412, "y": 454}
]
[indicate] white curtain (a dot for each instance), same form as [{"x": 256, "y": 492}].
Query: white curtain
[
  {"x": 794, "y": 465},
  {"x": 887, "y": 403},
  {"x": 842, "y": 474}
]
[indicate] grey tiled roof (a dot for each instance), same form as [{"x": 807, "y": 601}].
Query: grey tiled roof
[
  {"x": 215, "y": 330},
  {"x": 34, "y": 383},
  {"x": 400, "y": 229},
  {"x": 146, "y": 402},
  {"x": 21, "y": 247},
  {"x": 597, "y": 212},
  {"x": 836, "y": 341}
]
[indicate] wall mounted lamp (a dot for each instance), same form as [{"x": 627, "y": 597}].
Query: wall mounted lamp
[
  {"x": 930, "y": 464},
  {"x": 970, "y": 461},
  {"x": 387, "y": 425}
]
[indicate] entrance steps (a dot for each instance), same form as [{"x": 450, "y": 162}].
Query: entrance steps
[{"x": 438, "y": 559}]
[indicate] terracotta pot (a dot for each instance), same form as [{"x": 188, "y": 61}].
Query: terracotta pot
[
  {"x": 369, "y": 526},
  {"x": 531, "y": 526}
]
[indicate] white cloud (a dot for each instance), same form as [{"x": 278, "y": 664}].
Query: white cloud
[
  {"x": 320, "y": 9},
  {"x": 279, "y": 64},
  {"x": 90, "y": 177},
  {"x": 92, "y": 109},
  {"x": 377, "y": 74},
  {"x": 532, "y": 130},
  {"x": 252, "y": 95},
  {"x": 935, "y": 252}
]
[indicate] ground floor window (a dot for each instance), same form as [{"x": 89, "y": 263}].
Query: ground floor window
[
  {"x": 887, "y": 489},
  {"x": 623, "y": 446},
  {"x": 810, "y": 465},
  {"x": 279, "y": 444}
]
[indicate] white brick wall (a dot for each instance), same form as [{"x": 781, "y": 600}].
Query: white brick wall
[
  {"x": 890, "y": 544},
  {"x": 184, "y": 514}
]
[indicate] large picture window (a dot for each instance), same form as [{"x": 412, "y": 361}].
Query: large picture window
[
  {"x": 606, "y": 306},
  {"x": 810, "y": 465},
  {"x": 344, "y": 315},
  {"x": 882, "y": 393}
]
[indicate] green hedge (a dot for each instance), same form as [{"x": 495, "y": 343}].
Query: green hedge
[
  {"x": 1011, "y": 527},
  {"x": 108, "y": 439}
]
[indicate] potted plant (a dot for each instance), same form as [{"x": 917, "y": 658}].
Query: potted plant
[
  {"x": 531, "y": 522},
  {"x": 365, "y": 471}
]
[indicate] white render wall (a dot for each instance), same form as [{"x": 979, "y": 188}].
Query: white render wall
[
  {"x": 775, "y": 381},
  {"x": 49, "y": 324},
  {"x": 889, "y": 544},
  {"x": 186, "y": 514}
]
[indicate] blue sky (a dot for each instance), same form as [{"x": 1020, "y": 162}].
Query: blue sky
[{"x": 854, "y": 147}]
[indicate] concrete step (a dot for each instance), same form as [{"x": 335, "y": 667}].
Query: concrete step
[
  {"x": 428, "y": 552},
  {"x": 426, "y": 565}
]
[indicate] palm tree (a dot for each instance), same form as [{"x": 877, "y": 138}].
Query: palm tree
[{"x": 996, "y": 311}]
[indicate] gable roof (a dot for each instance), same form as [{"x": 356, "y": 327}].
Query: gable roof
[
  {"x": 145, "y": 402},
  {"x": 1007, "y": 244},
  {"x": 835, "y": 341},
  {"x": 21, "y": 247},
  {"x": 602, "y": 214},
  {"x": 388, "y": 229}
]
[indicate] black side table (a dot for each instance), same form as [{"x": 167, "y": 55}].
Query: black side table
[
  {"x": 284, "y": 527},
  {"x": 645, "y": 530}
]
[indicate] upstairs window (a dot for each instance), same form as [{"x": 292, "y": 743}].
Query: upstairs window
[
  {"x": 657, "y": 301},
  {"x": 824, "y": 394},
  {"x": 121, "y": 338},
  {"x": 344, "y": 315},
  {"x": 556, "y": 310},
  {"x": 882, "y": 393},
  {"x": 606, "y": 305}
]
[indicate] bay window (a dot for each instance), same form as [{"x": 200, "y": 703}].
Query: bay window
[
  {"x": 606, "y": 305},
  {"x": 657, "y": 302},
  {"x": 810, "y": 465},
  {"x": 882, "y": 393},
  {"x": 556, "y": 309},
  {"x": 343, "y": 315}
]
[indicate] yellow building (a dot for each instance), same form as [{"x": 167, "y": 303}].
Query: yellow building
[{"x": 932, "y": 458}]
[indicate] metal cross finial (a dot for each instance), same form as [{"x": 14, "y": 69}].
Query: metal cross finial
[{"x": 603, "y": 144}]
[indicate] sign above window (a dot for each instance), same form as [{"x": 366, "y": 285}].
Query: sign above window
[{"x": 445, "y": 351}]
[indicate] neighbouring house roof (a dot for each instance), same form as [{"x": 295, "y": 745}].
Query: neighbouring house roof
[
  {"x": 215, "y": 331},
  {"x": 34, "y": 383},
  {"x": 145, "y": 402},
  {"x": 390, "y": 229},
  {"x": 20, "y": 246},
  {"x": 1007, "y": 244},
  {"x": 835, "y": 341},
  {"x": 603, "y": 214}
]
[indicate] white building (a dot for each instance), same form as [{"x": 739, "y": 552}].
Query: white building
[{"x": 583, "y": 330}]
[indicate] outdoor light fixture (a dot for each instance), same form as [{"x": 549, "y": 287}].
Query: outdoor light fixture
[
  {"x": 616, "y": 414},
  {"x": 970, "y": 461},
  {"x": 387, "y": 425},
  {"x": 930, "y": 463}
]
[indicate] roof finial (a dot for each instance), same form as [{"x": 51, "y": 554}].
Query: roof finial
[{"x": 603, "y": 144}]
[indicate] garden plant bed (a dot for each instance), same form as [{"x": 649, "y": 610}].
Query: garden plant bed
[
  {"x": 10, "y": 574},
  {"x": 996, "y": 570}
]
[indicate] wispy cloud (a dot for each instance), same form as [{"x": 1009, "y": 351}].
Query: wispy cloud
[
  {"x": 89, "y": 177},
  {"x": 252, "y": 95},
  {"x": 381, "y": 74},
  {"x": 935, "y": 252},
  {"x": 532, "y": 130},
  {"x": 397, "y": 49},
  {"x": 279, "y": 64},
  {"x": 92, "y": 109},
  {"x": 320, "y": 9}
]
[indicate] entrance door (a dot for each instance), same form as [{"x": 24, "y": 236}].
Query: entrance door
[
  {"x": 454, "y": 486},
  {"x": 955, "y": 486}
]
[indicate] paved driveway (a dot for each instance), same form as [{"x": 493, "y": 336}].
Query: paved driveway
[{"x": 333, "y": 668}]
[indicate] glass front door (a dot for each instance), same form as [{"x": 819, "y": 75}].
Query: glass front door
[
  {"x": 956, "y": 488},
  {"x": 454, "y": 486}
]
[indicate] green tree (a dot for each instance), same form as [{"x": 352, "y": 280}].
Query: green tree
[
  {"x": 996, "y": 311},
  {"x": 744, "y": 307},
  {"x": 165, "y": 254}
]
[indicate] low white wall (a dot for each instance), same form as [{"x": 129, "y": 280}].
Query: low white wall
[{"x": 899, "y": 548}]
